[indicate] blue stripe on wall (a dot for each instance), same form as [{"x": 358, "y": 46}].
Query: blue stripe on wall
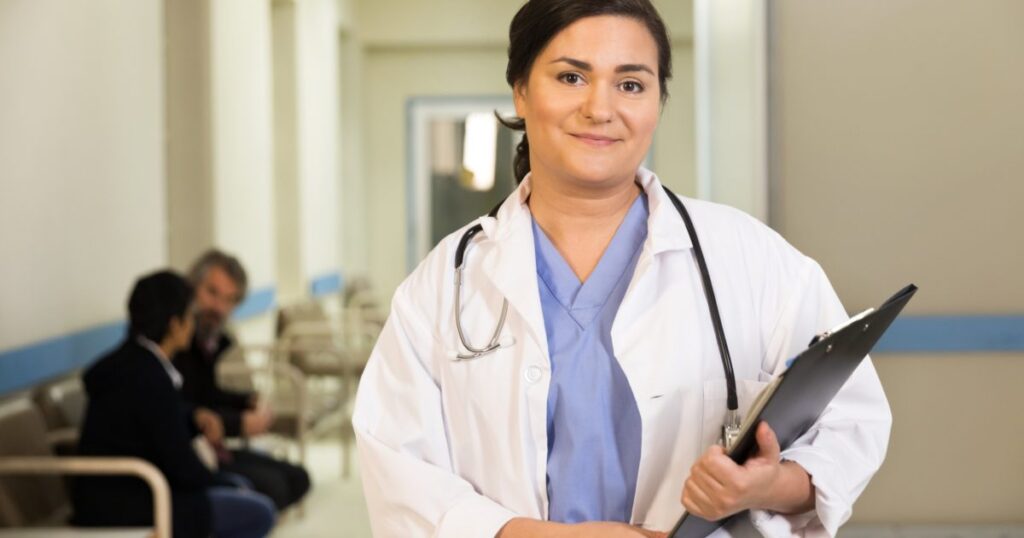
[
  {"x": 256, "y": 303},
  {"x": 947, "y": 334},
  {"x": 326, "y": 284},
  {"x": 30, "y": 365},
  {"x": 33, "y": 364}
]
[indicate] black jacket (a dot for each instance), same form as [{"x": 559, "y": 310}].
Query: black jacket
[
  {"x": 134, "y": 410},
  {"x": 199, "y": 370}
]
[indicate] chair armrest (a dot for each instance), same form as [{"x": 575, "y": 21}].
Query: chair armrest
[
  {"x": 21, "y": 465},
  {"x": 286, "y": 371},
  {"x": 311, "y": 328},
  {"x": 326, "y": 328},
  {"x": 283, "y": 370},
  {"x": 285, "y": 345}
]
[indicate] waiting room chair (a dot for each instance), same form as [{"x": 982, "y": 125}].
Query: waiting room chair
[
  {"x": 62, "y": 403},
  {"x": 281, "y": 383},
  {"x": 34, "y": 500},
  {"x": 334, "y": 350}
]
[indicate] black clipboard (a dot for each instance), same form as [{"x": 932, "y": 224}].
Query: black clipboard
[{"x": 803, "y": 391}]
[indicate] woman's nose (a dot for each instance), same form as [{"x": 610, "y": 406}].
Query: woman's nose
[{"x": 598, "y": 106}]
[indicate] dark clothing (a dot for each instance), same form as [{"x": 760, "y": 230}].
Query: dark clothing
[
  {"x": 285, "y": 483},
  {"x": 240, "y": 513},
  {"x": 134, "y": 410},
  {"x": 198, "y": 367}
]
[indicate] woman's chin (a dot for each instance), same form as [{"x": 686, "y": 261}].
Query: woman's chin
[{"x": 601, "y": 177}]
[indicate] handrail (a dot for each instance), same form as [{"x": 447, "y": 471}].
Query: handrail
[{"x": 101, "y": 466}]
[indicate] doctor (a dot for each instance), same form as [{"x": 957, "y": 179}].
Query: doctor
[{"x": 598, "y": 409}]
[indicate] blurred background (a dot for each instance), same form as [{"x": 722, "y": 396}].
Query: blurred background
[{"x": 330, "y": 143}]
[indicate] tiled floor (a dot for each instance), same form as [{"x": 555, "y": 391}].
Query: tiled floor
[{"x": 335, "y": 509}]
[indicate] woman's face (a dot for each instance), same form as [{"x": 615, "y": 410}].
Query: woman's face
[{"x": 591, "y": 102}]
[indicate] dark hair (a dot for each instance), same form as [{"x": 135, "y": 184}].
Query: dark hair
[
  {"x": 227, "y": 262},
  {"x": 539, "y": 21},
  {"x": 156, "y": 299}
]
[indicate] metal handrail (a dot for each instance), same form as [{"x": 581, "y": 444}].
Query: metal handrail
[{"x": 20, "y": 465}]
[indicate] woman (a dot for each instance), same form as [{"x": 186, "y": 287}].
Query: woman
[{"x": 597, "y": 413}]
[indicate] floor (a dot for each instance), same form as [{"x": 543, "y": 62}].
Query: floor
[{"x": 335, "y": 509}]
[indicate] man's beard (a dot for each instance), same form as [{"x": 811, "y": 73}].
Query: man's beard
[{"x": 209, "y": 325}]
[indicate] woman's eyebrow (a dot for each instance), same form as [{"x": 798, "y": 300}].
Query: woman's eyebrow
[
  {"x": 624, "y": 68},
  {"x": 579, "y": 64},
  {"x": 632, "y": 68}
]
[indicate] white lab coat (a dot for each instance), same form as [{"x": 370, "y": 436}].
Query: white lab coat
[{"x": 457, "y": 448}]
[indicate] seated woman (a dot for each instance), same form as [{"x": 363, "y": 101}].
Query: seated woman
[{"x": 135, "y": 410}]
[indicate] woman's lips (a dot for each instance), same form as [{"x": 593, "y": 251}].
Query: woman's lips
[{"x": 595, "y": 140}]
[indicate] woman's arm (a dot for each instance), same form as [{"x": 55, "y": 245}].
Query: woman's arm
[
  {"x": 847, "y": 444},
  {"x": 405, "y": 462}
]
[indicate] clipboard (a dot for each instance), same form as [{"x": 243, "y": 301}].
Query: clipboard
[{"x": 796, "y": 398}]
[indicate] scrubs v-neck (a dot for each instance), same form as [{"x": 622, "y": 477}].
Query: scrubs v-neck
[{"x": 593, "y": 423}]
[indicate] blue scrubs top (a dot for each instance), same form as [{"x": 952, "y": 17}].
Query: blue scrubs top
[{"x": 592, "y": 420}]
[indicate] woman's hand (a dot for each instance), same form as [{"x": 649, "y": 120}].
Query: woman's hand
[
  {"x": 548, "y": 529},
  {"x": 718, "y": 487}
]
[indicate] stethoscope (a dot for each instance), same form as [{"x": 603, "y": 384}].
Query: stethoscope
[{"x": 732, "y": 421}]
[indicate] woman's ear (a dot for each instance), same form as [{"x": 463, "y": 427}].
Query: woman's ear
[{"x": 519, "y": 99}]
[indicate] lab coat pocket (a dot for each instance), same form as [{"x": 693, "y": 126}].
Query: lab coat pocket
[{"x": 715, "y": 393}]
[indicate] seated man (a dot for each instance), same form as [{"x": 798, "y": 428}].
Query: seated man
[
  {"x": 135, "y": 410},
  {"x": 221, "y": 283}
]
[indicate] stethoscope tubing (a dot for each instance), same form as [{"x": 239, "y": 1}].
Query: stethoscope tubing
[
  {"x": 709, "y": 294},
  {"x": 732, "y": 401}
]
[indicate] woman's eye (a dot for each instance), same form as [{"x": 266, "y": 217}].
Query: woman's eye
[
  {"x": 632, "y": 86},
  {"x": 572, "y": 78}
]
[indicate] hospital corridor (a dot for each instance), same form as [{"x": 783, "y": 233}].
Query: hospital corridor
[{"x": 503, "y": 268}]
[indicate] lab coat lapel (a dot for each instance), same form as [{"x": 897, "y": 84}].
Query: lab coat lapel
[
  {"x": 666, "y": 232},
  {"x": 511, "y": 265}
]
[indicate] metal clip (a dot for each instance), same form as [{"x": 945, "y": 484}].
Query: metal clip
[
  {"x": 819, "y": 337},
  {"x": 730, "y": 429}
]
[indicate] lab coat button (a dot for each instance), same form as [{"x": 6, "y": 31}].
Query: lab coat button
[{"x": 533, "y": 374}]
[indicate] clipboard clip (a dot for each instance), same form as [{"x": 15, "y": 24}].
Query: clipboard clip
[
  {"x": 730, "y": 429},
  {"x": 819, "y": 337},
  {"x": 855, "y": 319}
]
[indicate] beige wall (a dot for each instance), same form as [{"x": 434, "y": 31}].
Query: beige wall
[
  {"x": 188, "y": 148},
  {"x": 253, "y": 102},
  {"x": 81, "y": 162},
  {"x": 242, "y": 136},
  {"x": 897, "y": 146},
  {"x": 957, "y": 441},
  {"x": 458, "y": 47},
  {"x": 306, "y": 143}
]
